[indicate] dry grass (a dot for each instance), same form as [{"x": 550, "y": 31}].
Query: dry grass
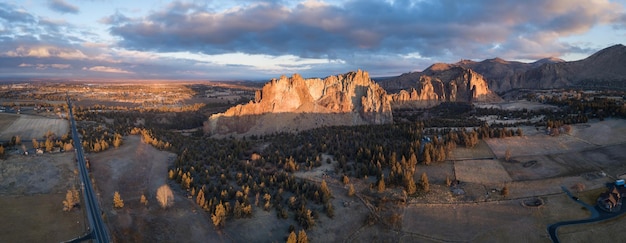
[
  {"x": 29, "y": 127},
  {"x": 38, "y": 218},
  {"x": 32, "y": 189},
  {"x": 481, "y": 171},
  {"x": 137, "y": 168}
]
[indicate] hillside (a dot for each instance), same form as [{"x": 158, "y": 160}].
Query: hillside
[
  {"x": 293, "y": 104},
  {"x": 604, "y": 69},
  {"x": 444, "y": 83}
]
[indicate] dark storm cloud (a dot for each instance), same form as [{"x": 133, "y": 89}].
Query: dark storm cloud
[
  {"x": 62, "y": 7},
  {"x": 310, "y": 29}
]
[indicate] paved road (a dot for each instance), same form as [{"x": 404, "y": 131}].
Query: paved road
[
  {"x": 98, "y": 229},
  {"x": 596, "y": 215}
]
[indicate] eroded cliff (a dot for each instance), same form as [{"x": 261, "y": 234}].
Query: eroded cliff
[{"x": 295, "y": 104}]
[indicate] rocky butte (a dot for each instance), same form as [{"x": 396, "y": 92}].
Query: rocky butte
[
  {"x": 441, "y": 83},
  {"x": 296, "y": 104}
]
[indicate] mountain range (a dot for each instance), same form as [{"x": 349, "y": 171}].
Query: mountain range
[
  {"x": 604, "y": 69},
  {"x": 295, "y": 103}
]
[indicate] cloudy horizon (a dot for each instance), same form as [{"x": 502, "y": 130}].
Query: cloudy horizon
[{"x": 257, "y": 40}]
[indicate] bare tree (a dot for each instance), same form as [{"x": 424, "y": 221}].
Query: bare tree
[{"x": 164, "y": 196}]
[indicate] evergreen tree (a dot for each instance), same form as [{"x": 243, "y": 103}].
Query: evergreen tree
[
  {"x": 219, "y": 216},
  {"x": 117, "y": 200},
  {"x": 302, "y": 238},
  {"x": 409, "y": 183},
  {"x": 292, "y": 238},
  {"x": 424, "y": 182},
  {"x": 351, "y": 190},
  {"x": 381, "y": 184}
]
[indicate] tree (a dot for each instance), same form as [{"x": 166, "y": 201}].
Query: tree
[
  {"x": 117, "y": 140},
  {"x": 507, "y": 155},
  {"x": 326, "y": 194},
  {"x": 49, "y": 145},
  {"x": 302, "y": 238},
  {"x": 579, "y": 187},
  {"x": 1, "y": 150},
  {"x": 448, "y": 181},
  {"x": 424, "y": 182},
  {"x": 71, "y": 199},
  {"x": 219, "y": 216},
  {"x": 164, "y": 196},
  {"x": 351, "y": 190},
  {"x": 292, "y": 237},
  {"x": 18, "y": 140},
  {"x": 409, "y": 183},
  {"x": 505, "y": 191},
  {"x": 267, "y": 204},
  {"x": 117, "y": 200},
  {"x": 68, "y": 146},
  {"x": 345, "y": 180},
  {"x": 381, "y": 184},
  {"x": 143, "y": 200},
  {"x": 35, "y": 144}
]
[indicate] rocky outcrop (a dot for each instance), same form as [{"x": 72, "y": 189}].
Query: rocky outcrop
[
  {"x": 293, "y": 104},
  {"x": 445, "y": 84}
]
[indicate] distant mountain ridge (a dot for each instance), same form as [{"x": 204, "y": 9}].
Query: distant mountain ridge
[{"x": 606, "y": 68}]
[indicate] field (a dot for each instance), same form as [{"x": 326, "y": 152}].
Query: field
[
  {"x": 30, "y": 126},
  {"x": 135, "y": 169},
  {"x": 32, "y": 189},
  {"x": 481, "y": 172}
]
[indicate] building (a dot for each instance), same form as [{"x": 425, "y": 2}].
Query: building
[{"x": 611, "y": 200}]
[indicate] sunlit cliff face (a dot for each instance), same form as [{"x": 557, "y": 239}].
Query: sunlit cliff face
[{"x": 298, "y": 103}]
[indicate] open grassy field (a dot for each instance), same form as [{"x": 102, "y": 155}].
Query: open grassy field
[
  {"x": 29, "y": 127},
  {"x": 137, "y": 168},
  {"x": 6, "y": 120},
  {"x": 32, "y": 189},
  {"x": 481, "y": 171}
]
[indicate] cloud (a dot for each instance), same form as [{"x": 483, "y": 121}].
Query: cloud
[
  {"x": 62, "y": 7},
  {"x": 322, "y": 30},
  {"x": 106, "y": 69},
  {"x": 45, "y": 51},
  {"x": 46, "y": 66}
]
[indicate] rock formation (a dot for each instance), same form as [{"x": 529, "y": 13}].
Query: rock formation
[
  {"x": 604, "y": 69},
  {"x": 444, "y": 83},
  {"x": 294, "y": 104}
]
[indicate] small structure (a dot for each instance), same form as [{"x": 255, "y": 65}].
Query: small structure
[{"x": 611, "y": 200}]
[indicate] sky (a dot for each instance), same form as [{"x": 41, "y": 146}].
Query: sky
[{"x": 259, "y": 40}]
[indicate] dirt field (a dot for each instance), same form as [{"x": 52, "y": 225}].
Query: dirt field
[
  {"x": 137, "y": 168},
  {"x": 29, "y": 127},
  {"x": 481, "y": 171},
  {"x": 32, "y": 189}
]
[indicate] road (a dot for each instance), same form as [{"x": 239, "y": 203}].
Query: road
[
  {"x": 98, "y": 229},
  {"x": 596, "y": 216}
]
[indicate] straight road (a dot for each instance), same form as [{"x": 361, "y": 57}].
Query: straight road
[{"x": 98, "y": 229}]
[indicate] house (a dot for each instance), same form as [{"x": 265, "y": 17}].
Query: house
[{"x": 611, "y": 200}]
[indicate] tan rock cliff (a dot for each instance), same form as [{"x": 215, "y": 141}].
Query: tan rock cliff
[{"x": 295, "y": 104}]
